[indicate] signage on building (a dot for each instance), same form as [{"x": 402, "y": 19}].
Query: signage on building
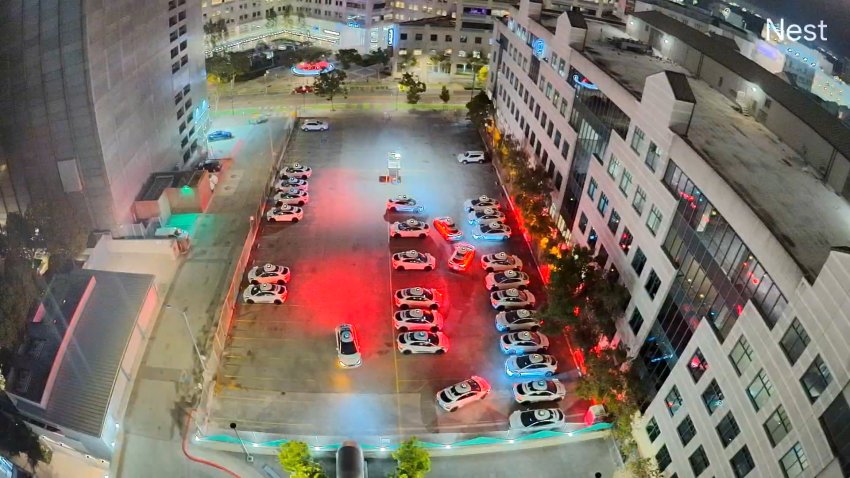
[
  {"x": 539, "y": 47},
  {"x": 476, "y": 11},
  {"x": 331, "y": 32},
  {"x": 584, "y": 82},
  {"x": 390, "y": 35}
]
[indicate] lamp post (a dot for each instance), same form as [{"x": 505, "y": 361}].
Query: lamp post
[
  {"x": 248, "y": 457},
  {"x": 192, "y": 336}
]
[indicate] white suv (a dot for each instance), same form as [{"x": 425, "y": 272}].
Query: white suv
[
  {"x": 314, "y": 125},
  {"x": 472, "y": 157}
]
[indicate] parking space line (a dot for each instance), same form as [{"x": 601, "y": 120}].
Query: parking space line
[{"x": 393, "y": 336}]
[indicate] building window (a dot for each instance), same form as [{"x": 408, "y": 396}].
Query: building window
[
  {"x": 727, "y": 429},
  {"x": 559, "y": 180},
  {"x": 557, "y": 140},
  {"x": 742, "y": 463},
  {"x": 741, "y": 355},
  {"x": 625, "y": 182},
  {"x": 563, "y": 107},
  {"x": 582, "y": 222},
  {"x": 602, "y": 205},
  {"x": 477, "y": 40},
  {"x": 402, "y": 36},
  {"x": 794, "y": 462},
  {"x": 417, "y": 37},
  {"x": 652, "y": 155},
  {"x": 638, "y": 261},
  {"x": 175, "y": 67},
  {"x": 543, "y": 120},
  {"x": 652, "y": 430},
  {"x": 448, "y": 38},
  {"x": 463, "y": 38},
  {"x": 686, "y": 430},
  {"x": 613, "y": 166},
  {"x": 777, "y": 425},
  {"x": 635, "y": 324},
  {"x": 187, "y": 89},
  {"x": 653, "y": 222},
  {"x": 591, "y": 188},
  {"x": 816, "y": 379},
  {"x": 697, "y": 365},
  {"x": 663, "y": 458},
  {"x": 794, "y": 341},
  {"x": 760, "y": 389},
  {"x": 433, "y": 37},
  {"x": 626, "y": 240},
  {"x": 637, "y": 140},
  {"x": 565, "y": 150},
  {"x": 673, "y": 401},
  {"x": 592, "y": 238},
  {"x": 178, "y": 98},
  {"x": 712, "y": 397},
  {"x": 183, "y": 45},
  {"x": 174, "y": 52},
  {"x": 653, "y": 283},
  {"x": 698, "y": 461},
  {"x": 639, "y": 200},
  {"x": 614, "y": 221}
]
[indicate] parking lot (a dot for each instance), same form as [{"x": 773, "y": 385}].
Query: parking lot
[{"x": 280, "y": 372}]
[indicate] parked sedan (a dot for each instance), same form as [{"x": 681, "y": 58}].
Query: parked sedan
[
  {"x": 268, "y": 274},
  {"x": 461, "y": 256},
  {"x": 210, "y": 166},
  {"x": 534, "y": 365},
  {"x": 303, "y": 89},
  {"x": 418, "y": 319},
  {"x": 219, "y": 135},
  {"x": 422, "y": 343},
  {"x": 403, "y": 203},
  {"x": 507, "y": 280},
  {"x": 259, "y": 119},
  {"x": 314, "y": 125},
  {"x": 472, "y": 157},
  {"x": 500, "y": 261},
  {"x": 409, "y": 228},
  {"x": 292, "y": 196},
  {"x": 539, "y": 391},
  {"x": 265, "y": 294},
  {"x": 511, "y": 299},
  {"x": 285, "y": 213},
  {"x": 494, "y": 231},
  {"x": 520, "y": 319},
  {"x": 447, "y": 228},
  {"x": 518, "y": 343},
  {"x": 413, "y": 260},
  {"x": 347, "y": 347},
  {"x": 417, "y": 298},
  {"x": 485, "y": 216},
  {"x": 461, "y": 394},
  {"x": 296, "y": 170},
  {"x": 287, "y": 184},
  {"x": 535, "y": 420},
  {"x": 480, "y": 203}
]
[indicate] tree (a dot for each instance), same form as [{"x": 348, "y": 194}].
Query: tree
[
  {"x": 380, "y": 56},
  {"x": 16, "y": 438},
  {"x": 412, "y": 460},
  {"x": 215, "y": 30},
  {"x": 406, "y": 62},
  {"x": 475, "y": 63},
  {"x": 439, "y": 61},
  {"x": 479, "y": 109},
  {"x": 226, "y": 66},
  {"x": 331, "y": 84},
  {"x": 413, "y": 87},
  {"x": 444, "y": 95},
  {"x": 347, "y": 56},
  {"x": 644, "y": 468},
  {"x": 533, "y": 188},
  {"x": 271, "y": 17},
  {"x": 19, "y": 290},
  {"x": 294, "y": 457},
  {"x": 58, "y": 228}
]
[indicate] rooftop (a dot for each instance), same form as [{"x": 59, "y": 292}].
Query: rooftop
[
  {"x": 159, "y": 182},
  {"x": 89, "y": 364}
]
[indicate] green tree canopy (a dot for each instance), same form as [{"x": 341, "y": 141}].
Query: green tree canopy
[
  {"x": 294, "y": 457},
  {"x": 16, "y": 438},
  {"x": 413, "y": 87},
  {"x": 347, "y": 56},
  {"x": 331, "y": 84},
  {"x": 445, "y": 96},
  {"x": 413, "y": 461},
  {"x": 479, "y": 109}
]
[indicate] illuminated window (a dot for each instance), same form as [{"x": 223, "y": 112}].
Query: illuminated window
[
  {"x": 712, "y": 397},
  {"x": 639, "y": 200},
  {"x": 697, "y": 365},
  {"x": 760, "y": 390},
  {"x": 741, "y": 355},
  {"x": 653, "y": 222},
  {"x": 673, "y": 401},
  {"x": 591, "y": 188},
  {"x": 794, "y": 462},
  {"x": 816, "y": 379},
  {"x": 625, "y": 182},
  {"x": 613, "y": 166},
  {"x": 794, "y": 341},
  {"x": 614, "y": 221},
  {"x": 626, "y": 240},
  {"x": 777, "y": 425},
  {"x": 637, "y": 140}
]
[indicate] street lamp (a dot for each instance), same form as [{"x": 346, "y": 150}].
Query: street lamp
[
  {"x": 248, "y": 457},
  {"x": 192, "y": 336}
]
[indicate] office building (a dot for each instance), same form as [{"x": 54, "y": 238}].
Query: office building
[
  {"x": 719, "y": 195},
  {"x": 96, "y": 96}
]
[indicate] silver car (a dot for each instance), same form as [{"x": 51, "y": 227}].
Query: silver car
[
  {"x": 422, "y": 343},
  {"x": 500, "y": 261},
  {"x": 347, "y": 347},
  {"x": 512, "y": 299},
  {"x": 485, "y": 216},
  {"x": 524, "y": 342},
  {"x": 519, "y": 319},
  {"x": 507, "y": 280},
  {"x": 404, "y": 203},
  {"x": 418, "y": 319},
  {"x": 539, "y": 391},
  {"x": 535, "y": 420},
  {"x": 480, "y": 203}
]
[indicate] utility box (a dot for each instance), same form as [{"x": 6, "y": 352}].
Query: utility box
[{"x": 394, "y": 166}]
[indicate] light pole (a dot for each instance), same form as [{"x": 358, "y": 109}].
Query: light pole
[
  {"x": 192, "y": 336},
  {"x": 248, "y": 457}
]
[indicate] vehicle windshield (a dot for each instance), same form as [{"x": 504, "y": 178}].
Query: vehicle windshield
[
  {"x": 529, "y": 418},
  {"x": 347, "y": 348}
]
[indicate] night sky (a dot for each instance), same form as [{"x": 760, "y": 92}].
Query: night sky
[{"x": 834, "y": 13}]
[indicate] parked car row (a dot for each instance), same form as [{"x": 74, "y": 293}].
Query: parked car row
[
  {"x": 291, "y": 193},
  {"x": 266, "y": 284},
  {"x": 483, "y": 213}
]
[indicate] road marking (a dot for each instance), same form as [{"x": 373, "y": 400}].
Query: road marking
[{"x": 393, "y": 336}]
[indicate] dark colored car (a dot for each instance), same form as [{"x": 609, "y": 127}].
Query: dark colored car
[
  {"x": 219, "y": 135},
  {"x": 210, "y": 166}
]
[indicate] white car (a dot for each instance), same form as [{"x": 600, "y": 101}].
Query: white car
[
  {"x": 485, "y": 216},
  {"x": 409, "y": 228},
  {"x": 534, "y": 365},
  {"x": 422, "y": 343},
  {"x": 511, "y": 299},
  {"x": 413, "y": 260},
  {"x": 472, "y": 157},
  {"x": 264, "y": 294},
  {"x": 539, "y": 391},
  {"x": 524, "y": 342},
  {"x": 507, "y": 280},
  {"x": 347, "y": 347},
  {"x": 268, "y": 274},
  {"x": 535, "y": 420},
  {"x": 285, "y": 213},
  {"x": 461, "y": 394},
  {"x": 418, "y": 319},
  {"x": 296, "y": 170},
  {"x": 291, "y": 196},
  {"x": 520, "y": 319},
  {"x": 480, "y": 203},
  {"x": 314, "y": 125},
  {"x": 494, "y": 231},
  {"x": 287, "y": 184},
  {"x": 500, "y": 261},
  {"x": 404, "y": 203},
  {"x": 417, "y": 298}
]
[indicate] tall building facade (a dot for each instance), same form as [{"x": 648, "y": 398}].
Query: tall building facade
[
  {"x": 97, "y": 95},
  {"x": 719, "y": 195}
]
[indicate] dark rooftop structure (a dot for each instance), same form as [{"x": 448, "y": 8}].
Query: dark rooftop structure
[
  {"x": 157, "y": 183},
  {"x": 67, "y": 367},
  {"x": 444, "y": 21},
  {"x": 681, "y": 88}
]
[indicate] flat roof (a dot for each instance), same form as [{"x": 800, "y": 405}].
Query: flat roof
[{"x": 89, "y": 366}]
